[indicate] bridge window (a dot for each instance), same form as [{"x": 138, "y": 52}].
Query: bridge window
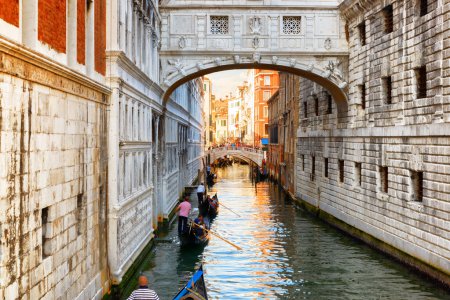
[
  {"x": 387, "y": 89},
  {"x": 362, "y": 33},
  {"x": 417, "y": 185},
  {"x": 388, "y": 14},
  {"x": 423, "y": 7},
  {"x": 292, "y": 24},
  {"x": 421, "y": 81},
  {"x": 219, "y": 24}
]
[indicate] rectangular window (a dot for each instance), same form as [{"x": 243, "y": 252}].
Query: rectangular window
[
  {"x": 219, "y": 24},
  {"x": 266, "y": 80},
  {"x": 79, "y": 212},
  {"x": 303, "y": 162},
  {"x": 417, "y": 185},
  {"x": 384, "y": 182},
  {"x": 362, "y": 33},
  {"x": 313, "y": 167},
  {"x": 423, "y": 7},
  {"x": 274, "y": 134},
  {"x": 362, "y": 95},
  {"x": 316, "y": 105},
  {"x": 266, "y": 111},
  {"x": 329, "y": 103},
  {"x": 223, "y": 123},
  {"x": 44, "y": 224},
  {"x": 387, "y": 89},
  {"x": 305, "y": 109},
  {"x": 341, "y": 170},
  {"x": 292, "y": 24},
  {"x": 421, "y": 81},
  {"x": 358, "y": 174},
  {"x": 325, "y": 167},
  {"x": 266, "y": 129},
  {"x": 266, "y": 95},
  {"x": 388, "y": 14}
]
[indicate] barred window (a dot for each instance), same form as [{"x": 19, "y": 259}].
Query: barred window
[
  {"x": 219, "y": 24},
  {"x": 292, "y": 24}
]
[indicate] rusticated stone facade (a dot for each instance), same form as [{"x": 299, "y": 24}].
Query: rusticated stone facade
[
  {"x": 383, "y": 169},
  {"x": 53, "y": 157}
]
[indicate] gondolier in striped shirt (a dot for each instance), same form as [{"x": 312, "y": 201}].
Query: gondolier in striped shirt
[{"x": 143, "y": 292}]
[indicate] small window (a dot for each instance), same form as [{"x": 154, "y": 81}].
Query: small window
[
  {"x": 358, "y": 174},
  {"x": 266, "y": 95},
  {"x": 266, "y": 129},
  {"x": 341, "y": 170},
  {"x": 79, "y": 212},
  {"x": 266, "y": 80},
  {"x": 362, "y": 95},
  {"x": 305, "y": 109},
  {"x": 388, "y": 14},
  {"x": 266, "y": 111},
  {"x": 423, "y": 7},
  {"x": 313, "y": 168},
  {"x": 292, "y": 24},
  {"x": 417, "y": 185},
  {"x": 303, "y": 162},
  {"x": 329, "y": 103},
  {"x": 362, "y": 33},
  {"x": 219, "y": 24},
  {"x": 384, "y": 182},
  {"x": 316, "y": 105},
  {"x": 325, "y": 167},
  {"x": 421, "y": 81},
  {"x": 44, "y": 241},
  {"x": 387, "y": 89}
]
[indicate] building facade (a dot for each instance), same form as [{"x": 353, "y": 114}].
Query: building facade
[
  {"x": 221, "y": 118},
  {"x": 377, "y": 169}
]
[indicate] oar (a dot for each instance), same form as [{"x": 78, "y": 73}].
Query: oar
[
  {"x": 215, "y": 234},
  {"x": 196, "y": 294},
  {"x": 221, "y": 204}
]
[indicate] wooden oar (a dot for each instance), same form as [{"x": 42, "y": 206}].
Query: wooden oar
[
  {"x": 196, "y": 294},
  {"x": 215, "y": 234},
  {"x": 221, "y": 204}
]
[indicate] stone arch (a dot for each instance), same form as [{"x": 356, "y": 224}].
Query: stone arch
[
  {"x": 327, "y": 76},
  {"x": 243, "y": 157}
]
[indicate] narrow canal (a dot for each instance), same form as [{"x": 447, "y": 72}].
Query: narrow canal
[{"x": 287, "y": 254}]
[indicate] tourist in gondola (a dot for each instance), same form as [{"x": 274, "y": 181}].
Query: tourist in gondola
[
  {"x": 200, "y": 193},
  {"x": 143, "y": 292},
  {"x": 184, "y": 209},
  {"x": 199, "y": 232}
]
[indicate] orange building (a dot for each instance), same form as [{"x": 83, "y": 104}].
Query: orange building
[{"x": 266, "y": 83}]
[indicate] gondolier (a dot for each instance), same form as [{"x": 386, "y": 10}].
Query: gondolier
[
  {"x": 200, "y": 193},
  {"x": 143, "y": 292},
  {"x": 184, "y": 208}
]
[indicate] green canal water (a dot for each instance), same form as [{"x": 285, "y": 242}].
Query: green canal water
[{"x": 287, "y": 254}]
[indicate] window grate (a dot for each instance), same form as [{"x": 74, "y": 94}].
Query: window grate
[
  {"x": 219, "y": 24},
  {"x": 292, "y": 24}
]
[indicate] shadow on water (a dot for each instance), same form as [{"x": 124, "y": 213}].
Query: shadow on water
[{"x": 287, "y": 254}]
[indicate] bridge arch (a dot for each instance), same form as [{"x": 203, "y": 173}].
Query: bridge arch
[
  {"x": 329, "y": 76},
  {"x": 245, "y": 153}
]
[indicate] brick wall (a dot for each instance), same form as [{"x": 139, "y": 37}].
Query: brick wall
[
  {"x": 9, "y": 11},
  {"x": 52, "y": 24},
  {"x": 81, "y": 32},
  {"x": 100, "y": 36}
]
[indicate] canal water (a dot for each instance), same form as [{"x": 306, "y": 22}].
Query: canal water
[{"x": 287, "y": 254}]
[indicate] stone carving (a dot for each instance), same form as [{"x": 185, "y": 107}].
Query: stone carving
[
  {"x": 292, "y": 62},
  {"x": 178, "y": 65},
  {"x": 156, "y": 41},
  {"x": 255, "y": 25},
  {"x": 200, "y": 66},
  {"x": 255, "y": 42},
  {"x": 310, "y": 67},
  {"x": 218, "y": 61},
  {"x": 237, "y": 59},
  {"x": 333, "y": 69},
  {"x": 182, "y": 42},
  {"x": 256, "y": 57},
  {"x": 327, "y": 44},
  {"x": 274, "y": 59}
]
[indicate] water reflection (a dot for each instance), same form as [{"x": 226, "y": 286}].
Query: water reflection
[{"x": 287, "y": 254}]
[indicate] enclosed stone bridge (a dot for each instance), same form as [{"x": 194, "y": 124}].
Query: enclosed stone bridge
[
  {"x": 246, "y": 153},
  {"x": 202, "y": 37}
]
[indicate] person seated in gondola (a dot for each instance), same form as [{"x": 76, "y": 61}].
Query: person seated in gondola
[
  {"x": 213, "y": 203},
  {"x": 199, "y": 232}
]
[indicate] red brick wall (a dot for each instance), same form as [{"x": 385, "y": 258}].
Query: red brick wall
[
  {"x": 9, "y": 11},
  {"x": 100, "y": 36},
  {"x": 52, "y": 23},
  {"x": 81, "y": 31}
]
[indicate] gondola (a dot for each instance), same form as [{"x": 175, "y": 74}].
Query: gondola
[
  {"x": 192, "y": 236},
  {"x": 210, "y": 179},
  {"x": 195, "y": 289},
  {"x": 210, "y": 208}
]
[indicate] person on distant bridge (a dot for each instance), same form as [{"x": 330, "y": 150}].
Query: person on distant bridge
[
  {"x": 143, "y": 292},
  {"x": 184, "y": 208},
  {"x": 200, "y": 192}
]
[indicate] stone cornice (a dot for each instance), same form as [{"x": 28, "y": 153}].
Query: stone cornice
[
  {"x": 30, "y": 65},
  {"x": 352, "y": 8}
]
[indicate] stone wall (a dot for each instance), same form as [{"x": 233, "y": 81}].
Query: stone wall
[
  {"x": 384, "y": 170},
  {"x": 53, "y": 154}
]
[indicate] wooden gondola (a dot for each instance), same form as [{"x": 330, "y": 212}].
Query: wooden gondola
[
  {"x": 210, "y": 208},
  {"x": 193, "y": 237},
  {"x": 195, "y": 289}
]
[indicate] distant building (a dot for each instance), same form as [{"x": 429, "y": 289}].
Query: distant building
[
  {"x": 221, "y": 118},
  {"x": 234, "y": 104},
  {"x": 266, "y": 83},
  {"x": 207, "y": 131}
]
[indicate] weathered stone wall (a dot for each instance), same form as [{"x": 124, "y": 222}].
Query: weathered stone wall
[
  {"x": 53, "y": 159},
  {"x": 387, "y": 163}
]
